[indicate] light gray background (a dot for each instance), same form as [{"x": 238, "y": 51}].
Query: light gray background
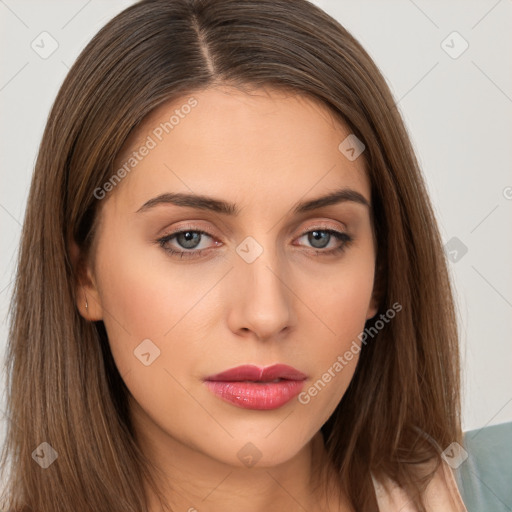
[{"x": 458, "y": 112}]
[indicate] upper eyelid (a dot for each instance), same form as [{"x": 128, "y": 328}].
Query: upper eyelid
[{"x": 321, "y": 224}]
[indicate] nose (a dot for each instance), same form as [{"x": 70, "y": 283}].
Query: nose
[{"x": 262, "y": 300}]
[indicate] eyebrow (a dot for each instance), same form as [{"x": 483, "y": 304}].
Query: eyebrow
[{"x": 202, "y": 202}]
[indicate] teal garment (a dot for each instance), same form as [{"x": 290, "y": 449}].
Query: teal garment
[{"x": 485, "y": 477}]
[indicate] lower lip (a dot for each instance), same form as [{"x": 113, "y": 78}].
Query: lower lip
[{"x": 253, "y": 395}]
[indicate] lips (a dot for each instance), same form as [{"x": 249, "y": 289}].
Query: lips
[
  {"x": 251, "y": 387},
  {"x": 253, "y": 373}
]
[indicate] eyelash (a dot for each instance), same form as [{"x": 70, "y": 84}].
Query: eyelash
[{"x": 194, "y": 253}]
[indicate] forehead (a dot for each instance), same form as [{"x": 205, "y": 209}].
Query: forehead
[{"x": 259, "y": 144}]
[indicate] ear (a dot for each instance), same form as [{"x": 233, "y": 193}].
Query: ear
[{"x": 86, "y": 291}]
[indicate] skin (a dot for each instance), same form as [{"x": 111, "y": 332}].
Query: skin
[{"x": 264, "y": 151}]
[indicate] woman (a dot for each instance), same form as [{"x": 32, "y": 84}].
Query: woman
[{"x": 231, "y": 290}]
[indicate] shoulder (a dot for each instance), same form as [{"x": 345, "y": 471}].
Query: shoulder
[{"x": 441, "y": 494}]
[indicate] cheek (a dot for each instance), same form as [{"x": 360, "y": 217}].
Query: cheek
[
  {"x": 143, "y": 297},
  {"x": 340, "y": 297},
  {"x": 341, "y": 308},
  {"x": 146, "y": 295}
]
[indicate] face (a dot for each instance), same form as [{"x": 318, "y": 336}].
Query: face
[{"x": 211, "y": 254}]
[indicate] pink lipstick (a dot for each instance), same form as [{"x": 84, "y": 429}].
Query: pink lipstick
[{"x": 251, "y": 387}]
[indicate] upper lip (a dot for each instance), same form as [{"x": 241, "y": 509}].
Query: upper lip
[{"x": 257, "y": 374}]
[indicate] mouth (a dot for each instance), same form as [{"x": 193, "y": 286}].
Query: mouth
[{"x": 251, "y": 387}]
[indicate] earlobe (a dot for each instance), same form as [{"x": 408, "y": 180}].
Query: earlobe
[
  {"x": 375, "y": 300},
  {"x": 88, "y": 301},
  {"x": 378, "y": 291},
  {"x": 373, "y": 308},
  {"x": 86, "y": 292}
]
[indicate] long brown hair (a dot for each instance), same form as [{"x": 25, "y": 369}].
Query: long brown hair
[{"x": 402, "y": 406}]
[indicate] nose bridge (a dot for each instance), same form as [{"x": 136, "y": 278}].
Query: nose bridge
[{"x": 262, "y": 300}]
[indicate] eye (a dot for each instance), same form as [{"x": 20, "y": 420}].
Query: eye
[
  {"x": 188, "y": 239},
  {"x": 321, "y": 238}
]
